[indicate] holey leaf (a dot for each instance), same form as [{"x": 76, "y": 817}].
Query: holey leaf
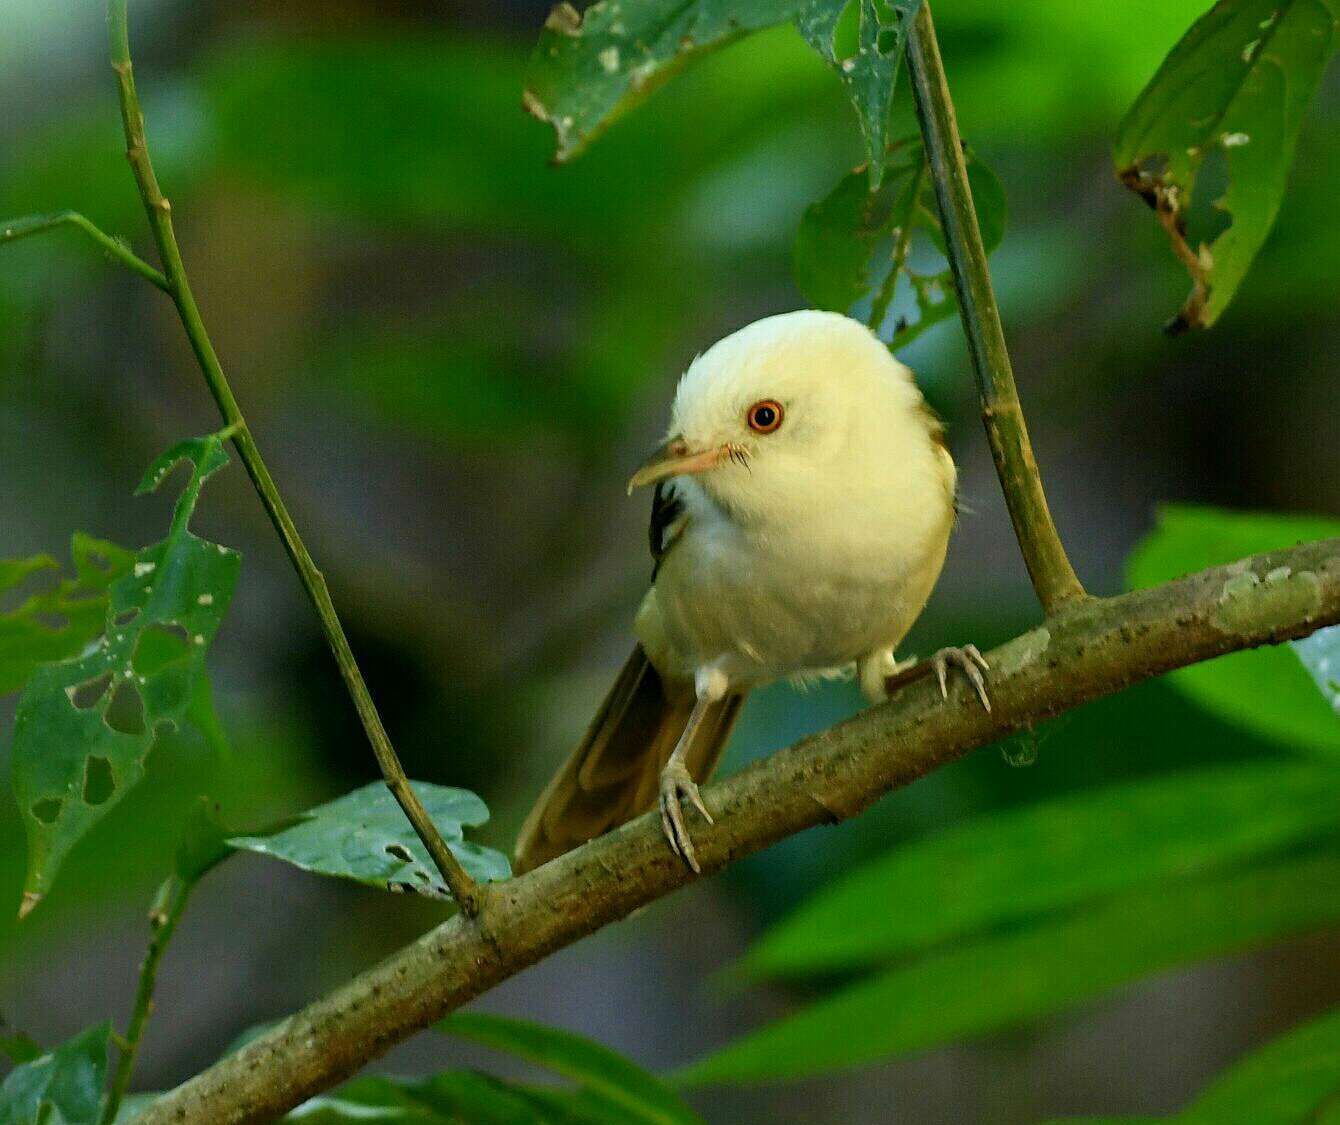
[
  {"x": 364, "y": 836},
  {"x": 1232, "y": 93},
  {"x": 591, "y": 67},
  {"x": 84, "y": 726},
  {"x": 881, "y": 252},
  {"x": 55, "y": 623}
]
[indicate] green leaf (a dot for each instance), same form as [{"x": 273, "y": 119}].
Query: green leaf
[
  {"x": 18, "y": 1047},
  {"x": 1234, "y": 89},
  {"x": 60, "y": 1088},
  {"x": 641, "y": 1096},
  {"x": 1025, "y": 975},
  {"x": 84, "y": 726},
  {"x": 866, "y": 61},
  {"x": 1293, "y": 1081},
  {"x": 203, "y": 843},
  {"x": 590, "y": 68},
  {"x": 364, "y": 836},
  {"x": 1014, "y": 865},
  {"x": 1289, "y": 1082},
  {"x": 1265, "y": 690},
  {"x": 448, "y": 1099},
  {"x": 56, "y": 624},
  {"x": 856, "y": 247}
]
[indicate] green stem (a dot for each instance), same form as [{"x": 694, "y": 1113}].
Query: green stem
[
  {"x": 463, "y": 888},
  {"x": 169, "y": 905},
  {"x": 29, "y": 225},
  {"x": 1053, "y": 577}
]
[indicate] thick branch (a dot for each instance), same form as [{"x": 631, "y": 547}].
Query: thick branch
[
  {"x": 463, "y": 888},
  {"x": 1053, "y": 576},
  {"x": 29, "y": 225},
  {"x": 1099, "y": 647}
]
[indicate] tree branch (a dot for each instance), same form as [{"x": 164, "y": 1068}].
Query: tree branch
[
  {"x": 1096, "y": 649},
  {"x": 463, "y": 888},
  {"x": 15, "y": 229},
  {"x": 1053, "y": 576}
]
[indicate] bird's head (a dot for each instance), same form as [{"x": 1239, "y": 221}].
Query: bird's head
[{"x": 791, "y": 407}]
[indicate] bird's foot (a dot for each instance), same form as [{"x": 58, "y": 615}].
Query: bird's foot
[
  {"x": 970, "y": 661},
  {"x": 678, "y": 785}
]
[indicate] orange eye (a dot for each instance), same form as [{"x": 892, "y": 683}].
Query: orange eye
[{"x": 765, "y": 416}]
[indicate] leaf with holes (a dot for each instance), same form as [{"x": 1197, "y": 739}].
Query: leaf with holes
[
  {"x": 862, "y": 40},
  {"x": 1233, "y": 92},
  {"x": 590, "y": 67},
  {"x": 84, "y": 726},
  {"x": 56, "y": 623},
  {"x": 364, "y": 836},
  {"x": 1288, "y": 693},
  {"x": 63, "y": 1087},
  {"x": 869, "y": 252}
]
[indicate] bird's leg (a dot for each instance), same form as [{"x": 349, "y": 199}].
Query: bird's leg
[
  {"x": 874, "y": 670},
  {"x": 972, "y": 664},
  {"x": 677, "y": 783}
]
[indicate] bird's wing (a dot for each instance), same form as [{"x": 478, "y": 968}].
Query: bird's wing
[
  {"x": 613, "y": 774},
  {"x": 668, "y": 520}
]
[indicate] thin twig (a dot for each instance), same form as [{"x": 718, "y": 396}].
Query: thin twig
[
  {"x": 1053, "y": 577},
  {"x": 463, "y": 888},
  {"x": 29, "y": 225},
  {"x": 1102, "y": 646},
  {"x": 169, "y": 904}
]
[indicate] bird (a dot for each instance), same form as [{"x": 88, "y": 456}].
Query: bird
[{"x": 802, "y": 506}]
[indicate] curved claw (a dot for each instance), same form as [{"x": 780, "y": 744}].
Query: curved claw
[
  {"x": 676, "y": 786},
  {"x": 971, "y": 662}
]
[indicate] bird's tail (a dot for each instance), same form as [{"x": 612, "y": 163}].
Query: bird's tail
[{"x": 614, "y": 773}]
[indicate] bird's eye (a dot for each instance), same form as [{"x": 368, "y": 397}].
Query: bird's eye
[{"x": 765, "y": 416}]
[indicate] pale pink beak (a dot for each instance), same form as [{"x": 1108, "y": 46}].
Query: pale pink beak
[{"x": 676, "y": 459}]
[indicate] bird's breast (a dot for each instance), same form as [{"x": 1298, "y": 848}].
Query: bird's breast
[{"x": 797, "y": 595}]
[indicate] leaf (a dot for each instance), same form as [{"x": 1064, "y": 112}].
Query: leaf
[
  {"x": 1017, "y": 864},
  {"x": 1264, "y": 690},
  {"x": 590, "y": 68},
  {"x": 856, "y": 246},
  {"x": 364, "y": 836},
  {"x": 867, "y": 63},
  {"x": 203, "y": 843},
  {"x": 1287, "y": 1082},
  {"x": 84, "y": 726},
  {"x": 447, "y": 1099},
  {"x": 1025, "y": 975},
  {"x": 1235, "y": 88},
  {"x": 60, "y": 1088},
  {"x": 641, "y": 1096},
  {"x": 1292, "y": 1081},
  {"x": 56, "y": 624}
]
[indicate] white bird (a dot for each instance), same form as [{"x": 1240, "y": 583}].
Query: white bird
[{"x": 803, "y": 505}]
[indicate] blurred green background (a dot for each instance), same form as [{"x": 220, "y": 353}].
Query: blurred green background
[{"x": 452, "y": 353}]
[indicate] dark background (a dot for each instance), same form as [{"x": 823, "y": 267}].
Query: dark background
[{"x": 452, "y": 354}]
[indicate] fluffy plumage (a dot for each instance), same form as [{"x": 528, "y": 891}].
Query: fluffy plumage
[{"x": 798, "y": 552}]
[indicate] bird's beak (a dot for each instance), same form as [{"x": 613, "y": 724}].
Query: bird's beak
[{"x": 675, "y": 459}]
